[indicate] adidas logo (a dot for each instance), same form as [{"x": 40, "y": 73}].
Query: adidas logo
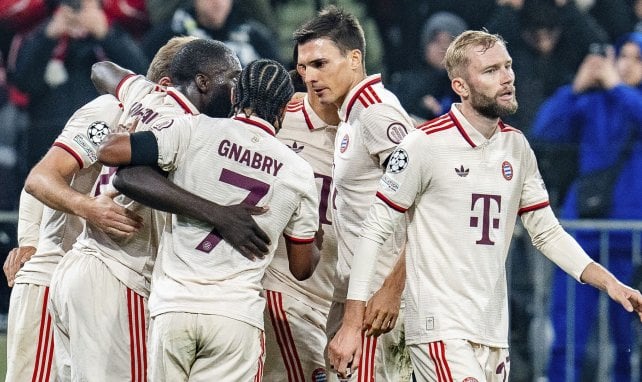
[
  {"x": 461, "y": 172},
  {"x": 295, "y": 147}
]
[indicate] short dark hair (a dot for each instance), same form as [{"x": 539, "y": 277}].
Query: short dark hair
[
  {"x": 265, "y": 88},
  {"x": 204, "y": 56},
  {"x": 333, "y": 23}
]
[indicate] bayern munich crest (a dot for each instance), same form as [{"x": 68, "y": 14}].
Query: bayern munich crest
[
  {"x": 398, "y": 161},
  {"x": 507, "y": 170},
  {"x": 97, "y": 131},
  {"x": 344, "y": 143}
]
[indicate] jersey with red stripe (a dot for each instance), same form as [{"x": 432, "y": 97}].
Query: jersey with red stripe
[
  {"x": 131, "y": 261},
  {"x": 58, "y": 231},
  {"x": 313, "y": 140},
  {"x": 373, "y": 122},
  {"x": 227, "y": 161},
  {"x": 464, "y": 193}
]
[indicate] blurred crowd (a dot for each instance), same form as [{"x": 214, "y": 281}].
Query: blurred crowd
[{"x": 578, "y": 66}]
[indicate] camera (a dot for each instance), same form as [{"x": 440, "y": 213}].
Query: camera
[{"x": 598, "y": 48}]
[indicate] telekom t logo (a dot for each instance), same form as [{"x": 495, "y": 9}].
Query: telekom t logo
[{"x": 486, "y": 220}]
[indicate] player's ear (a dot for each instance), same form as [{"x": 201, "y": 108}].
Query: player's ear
[
  {"x": 460, "y": 87},
  {"x": 356, "y": 59},
  {"x": 202, "y": 82}
]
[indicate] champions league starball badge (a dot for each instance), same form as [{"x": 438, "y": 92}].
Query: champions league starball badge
[
  {"x": 398, "y": 161},
  {"x": 97, "y": 131}
]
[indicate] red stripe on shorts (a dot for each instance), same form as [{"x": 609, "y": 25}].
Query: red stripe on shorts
[
  {"x": 284, "y": 336},
  {"x": 367, "y": 362},
  {"x": 437, "y": 351},
  {"x": 137, "y": 341},
  {"x": 44, "y": 349}
]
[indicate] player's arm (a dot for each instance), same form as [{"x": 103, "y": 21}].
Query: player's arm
[
  {"x": 29, "y": 217},
  {"x": 554, "y": 242},
  {"x": 144, "y": 183},
  {"x": 383, "y": 307},
  {"x": 107, "y": 75},
  {"x": 302, "y": 257},
  {"x": 345, "y": 347},
  {"x": 49, "y": 182}
]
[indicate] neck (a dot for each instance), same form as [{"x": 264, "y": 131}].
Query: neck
[
  {"x": 486, "y": 126},
  {"x": 327, "y": 113}
]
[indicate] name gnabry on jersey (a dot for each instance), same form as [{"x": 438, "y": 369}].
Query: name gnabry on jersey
[{"x": 249, "y": 158}]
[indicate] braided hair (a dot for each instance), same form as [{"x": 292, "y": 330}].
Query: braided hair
[{"x": 264, "y": 89}]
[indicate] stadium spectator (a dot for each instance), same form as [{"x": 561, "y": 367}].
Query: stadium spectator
[
  {"x": 599, "y": 112},
  {"x": 53, "y": 67},
  {"x": 425, "y": 91},
  {"x": 219, "y": 20},
  {"x": 465, "y": 176}
]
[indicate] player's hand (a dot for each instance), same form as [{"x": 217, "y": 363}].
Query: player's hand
[
  {"x": 115, "y": 220},
  {"x": 130, "y": 127},
  {"x": 382, "y": 311},
  {"x": 16, "y": 258},
  {"x": 344, "y": 351},
  {"x": 629, "y": 298},
  {"x": 237, "y": 227}
]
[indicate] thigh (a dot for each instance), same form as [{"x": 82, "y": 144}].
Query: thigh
[
  {"x": 100, "y": 323},
  {"x": 229, "y": 350},
  {"x": 30, "y": 340},
  {"x": 449, "y": 360},
  {"x": 295, "y": 340},
  {"x": 392, "y": 359},
  {"x": 172, "y": 346}
]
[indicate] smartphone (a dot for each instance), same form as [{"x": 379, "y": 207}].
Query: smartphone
[{"x": 598, "y": 48}]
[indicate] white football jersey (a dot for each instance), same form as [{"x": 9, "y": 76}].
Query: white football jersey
[
  {"x": 463, "y": 193},
  {"x": 227, "y": 161},
  {"x": 305, "y": 133},
  {"x": 131, "y": 261},
  {"x": 58, "y": 231},
  {"x": 373, "y": 123}
]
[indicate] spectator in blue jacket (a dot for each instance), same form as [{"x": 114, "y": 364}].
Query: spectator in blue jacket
[{"x": 601, "y": 112}]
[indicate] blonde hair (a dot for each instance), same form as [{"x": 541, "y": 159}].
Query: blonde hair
[
  {"x": 457, "y": 59},
  {"x": 159, "y": 67}
]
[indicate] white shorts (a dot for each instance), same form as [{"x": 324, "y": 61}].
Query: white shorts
[
  {"x": 295, "y": 340},
  {"x": 459, "y": 360},
  {"x": 99, "y": 324},
  {"x": 384, "y": 358},
  {"x": 30, "y": 343},
  {"x": 204, "y": 347}
]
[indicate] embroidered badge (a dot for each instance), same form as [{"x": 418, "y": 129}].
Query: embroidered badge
[
  {"x": 507, "y": 170},
  {"x": 398, "y": 161},
  {"x": 344, "y": 143},
  {"x": 97, "y": 131}
]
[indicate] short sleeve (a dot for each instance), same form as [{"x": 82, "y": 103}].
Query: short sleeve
[
  {"x": 383, "y": 127},
  {"x": 534, "y": 194},
  {"x": 87, "y": 127},
  {"x": 173, "y": 136},
  {"x": 304, "y": 223},
  {"x": 407, "y": 174},
  {"x": 133, "y": 87}
]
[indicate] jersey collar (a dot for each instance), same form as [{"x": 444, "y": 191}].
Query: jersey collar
[
  {"x": 468, "y": 132},
  {"x": 185, "y": 103},
  {"x": 312, "y": 119},
  {"x": 355, "y": 93},
  {"x": 256, "y": 122}
]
